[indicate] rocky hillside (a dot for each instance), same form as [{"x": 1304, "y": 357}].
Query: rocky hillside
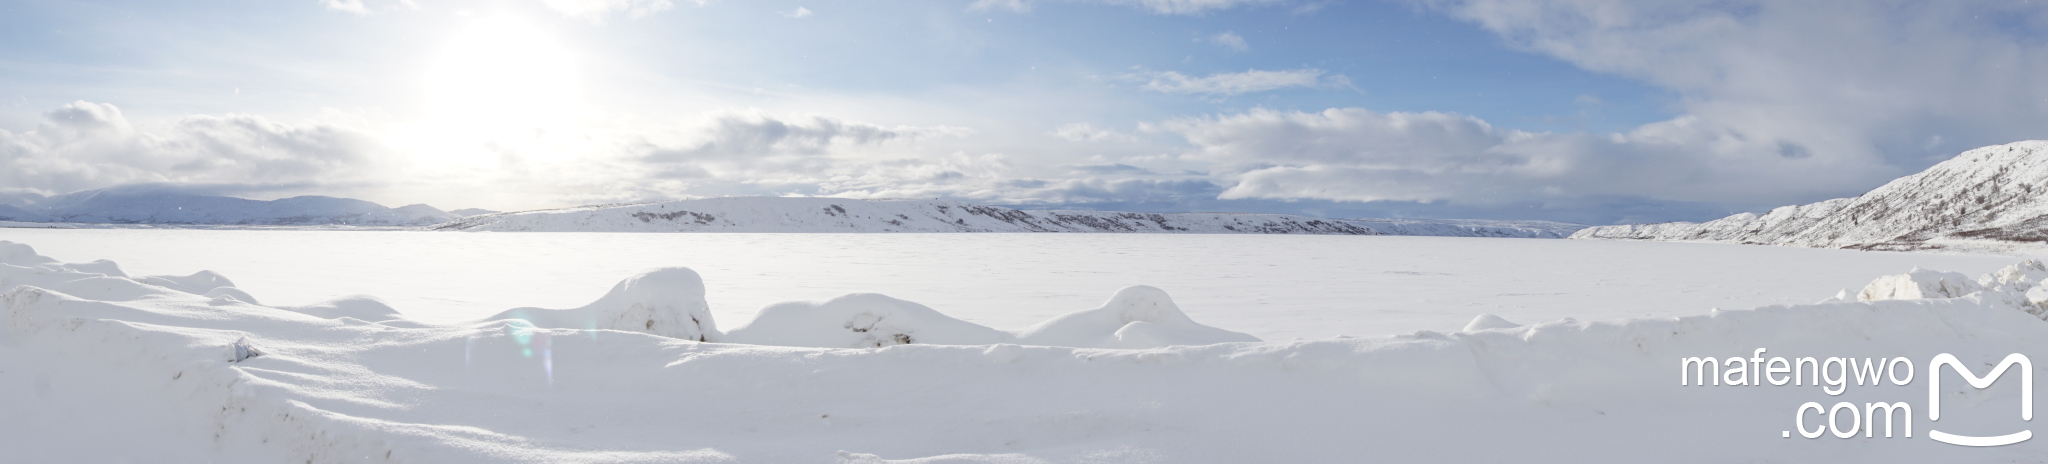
[{"x": 1991, "y": 196}]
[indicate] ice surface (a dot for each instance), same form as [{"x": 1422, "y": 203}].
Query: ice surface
[{"x": 99, "y": 368}]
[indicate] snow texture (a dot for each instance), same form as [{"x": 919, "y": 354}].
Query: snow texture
[
  {"x": 1989, "y": 198},
  {"x": 806, "y": 214},
  {"x": 98, "y": 368}
]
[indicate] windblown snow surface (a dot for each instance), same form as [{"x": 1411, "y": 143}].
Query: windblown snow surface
[
  {"x": 1990, "y": 198},
  {"x": 96, "y": 365}
]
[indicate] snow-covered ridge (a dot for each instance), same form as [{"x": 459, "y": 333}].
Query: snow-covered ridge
[
  {"x": 188, "y": 369},
  {"x": 810, "y": 214},
  {"x": 161, "y": 205},
  {"x": 1990, "y": 197}
]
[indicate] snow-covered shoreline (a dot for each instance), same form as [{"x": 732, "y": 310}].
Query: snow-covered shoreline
[{"x": 150, "y": 361}]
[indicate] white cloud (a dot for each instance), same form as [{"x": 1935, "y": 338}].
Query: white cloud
[
  {"x": 1167, "y": 7},
  {"x": 1847, "y": 82},
  {"x": 91, "y": 145},
  {"x": 1231, "y": 41},
  {"x": 799, "y": 12},
  {"x": 349, "y": 6},
  {"x": 1226, "y": 84},
  {"x": 1352, "y": 154},
  {"x": 596, "y": 10},
  {"x": 1084, "y": 132},
  {"x": 363, "y": 8}
]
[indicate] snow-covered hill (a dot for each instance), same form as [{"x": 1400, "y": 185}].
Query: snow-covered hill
[
  {"x": 161, "y": 205},
  {"x": 789, "y": 214},
  {"x": 1991, "y": 197},
  {"x": 1469, "y": 227}
]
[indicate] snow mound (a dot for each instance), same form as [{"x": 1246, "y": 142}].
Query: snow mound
[
  {"x": 197, "y": 284},
  {"x": 668, "y": 302},
  {"x": 860, "y": 320},
  {"x": 1919, "y": 283},
  {"x": 361, "y": 307},
  {"x": 1137, "y": 316},
  {"x": 2025, "y": 274},
  {"x": 1488, "y": 321},
  {"x": 20, "y": 254}
]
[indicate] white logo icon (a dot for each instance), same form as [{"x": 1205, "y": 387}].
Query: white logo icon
[{"x": 2026, "y": 397}]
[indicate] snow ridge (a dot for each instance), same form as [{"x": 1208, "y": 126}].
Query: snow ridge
[
  {"x": 1990, "y": 197},
  {"x": 810, "y": 214}
]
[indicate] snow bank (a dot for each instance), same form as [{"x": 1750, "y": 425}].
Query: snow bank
[{"x": 96, "y": 367}]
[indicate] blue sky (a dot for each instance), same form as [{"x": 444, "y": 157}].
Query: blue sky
[{"x": 1584, "y": 110}]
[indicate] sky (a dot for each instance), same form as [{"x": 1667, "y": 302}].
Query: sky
[{"x": 1591, "y": 111}]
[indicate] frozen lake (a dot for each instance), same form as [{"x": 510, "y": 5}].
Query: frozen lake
[{"x": 1274, "y": 286}]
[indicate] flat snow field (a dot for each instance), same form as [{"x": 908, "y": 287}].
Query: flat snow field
[{"x": 1276, "y": 287}]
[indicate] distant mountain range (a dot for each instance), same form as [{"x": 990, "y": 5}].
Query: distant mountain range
[
  {"x": 799, "y": 214},
  {"x": 160, "y": 205},
  {"x": 1991, "y": 197}
]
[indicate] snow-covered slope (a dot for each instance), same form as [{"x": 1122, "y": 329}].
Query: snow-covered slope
[
  {"x": 98, "y": 366},
  {"x": 1991, "y": 196},
  {"x": 150, "y": 204},
  {"x": 1469, "y": 227},
  {"x": 788, "y": 214}
]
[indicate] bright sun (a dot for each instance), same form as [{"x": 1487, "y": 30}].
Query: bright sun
[{"x": 501, "y": 86}]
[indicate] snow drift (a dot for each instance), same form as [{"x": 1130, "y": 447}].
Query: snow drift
[
  {"x": 1990, "y": 197},
  {"x": 89, "y": 359}
]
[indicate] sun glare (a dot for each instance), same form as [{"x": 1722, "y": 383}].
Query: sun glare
[{"x": 501, "y": 87}]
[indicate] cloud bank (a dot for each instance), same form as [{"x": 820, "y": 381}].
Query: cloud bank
[{"x": 86, "y": 145}]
